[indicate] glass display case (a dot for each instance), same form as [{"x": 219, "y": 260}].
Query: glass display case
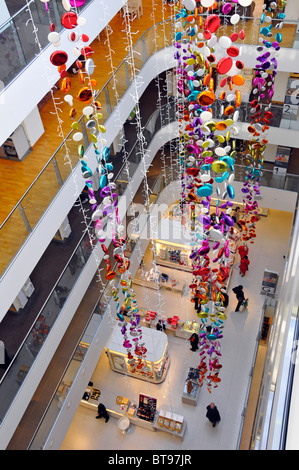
[
  {"x": 186, "y": 329},
  {"x": 155, "y": 364},
  {"x": 172, "y": 254},
  {"x": 191, "y": 387}
]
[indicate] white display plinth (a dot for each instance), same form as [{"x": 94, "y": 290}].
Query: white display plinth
[{"x": 156, "y": 358}]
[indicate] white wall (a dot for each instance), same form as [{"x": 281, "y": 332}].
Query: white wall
[
  {"x": 270, "y": 153},
  {"x": 275, "y": 135},
  {"x": 33, "y": 126},
  {"x": 4, "y": 13},
  {"x": 281, "y": 81}
]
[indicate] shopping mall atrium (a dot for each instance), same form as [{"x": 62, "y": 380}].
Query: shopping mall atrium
[{"x": 150, "y": 166}]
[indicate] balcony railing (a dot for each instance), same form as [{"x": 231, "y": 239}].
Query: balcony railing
[
  {"x": 18, "y": 47},
  {"x": 20, "y": 365},
  {"x": 57, "y": 171}
]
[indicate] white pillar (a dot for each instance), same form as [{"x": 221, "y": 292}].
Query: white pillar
[{"x": 292, "y": 10}]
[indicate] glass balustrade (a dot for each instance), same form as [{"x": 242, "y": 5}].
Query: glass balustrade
[
  {"x": 102, "y": 308},
  {"x": 18, "y": 44},
  {"x": 20, "y": 365},
  {"x": 59, "y": 168},
  {"x": 20, "y": 47},
  {"x": 66, "y": 158}
]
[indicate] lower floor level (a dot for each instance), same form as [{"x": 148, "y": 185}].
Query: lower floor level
[{"x": 238, "y": 348}]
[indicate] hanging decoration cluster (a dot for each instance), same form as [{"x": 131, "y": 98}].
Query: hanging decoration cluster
[
  {"x": 105, "y": 215},
  {"x": 207, "y": 151},
  {"x": 261, "y": 114}
]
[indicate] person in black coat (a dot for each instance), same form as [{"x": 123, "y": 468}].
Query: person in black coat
[
  {"x": 194, "y": 341},
  {"x": 240, "y": 296},
  {"x": 102, "y": 412},
  {"x": 213, "y": 414},
  {"x": 197, "y": 304},
  {"x": 160, "y": 326}
]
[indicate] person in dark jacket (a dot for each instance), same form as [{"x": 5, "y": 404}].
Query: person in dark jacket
[
  {"x": 213, "y": 414},
  {"x": 102, "y": 412},
  {"x": 197, "y": 304},
  {"x": 240, "y": 296},
  {"x": 194, "y": 341}
]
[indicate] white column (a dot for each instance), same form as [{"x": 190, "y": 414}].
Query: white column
[{"x": 292, "y": 10}]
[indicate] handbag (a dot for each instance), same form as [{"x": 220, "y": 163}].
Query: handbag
[{"x": 243, "y": 306}]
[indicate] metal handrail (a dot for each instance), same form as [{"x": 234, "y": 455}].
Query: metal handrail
[
  {"x": 80, "y": 119},
  {"x": 68, "y": 135}
]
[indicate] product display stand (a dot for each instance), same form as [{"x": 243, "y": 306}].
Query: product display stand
[
  {"x": 156, "y": 362},
  {"x": 191, "y": 388},
  {"x": 91, "y": 397},
  {"x": 187, "y": 329},
  {"x": 171, "y": 423},
  {"x": 122, "y": 408}
]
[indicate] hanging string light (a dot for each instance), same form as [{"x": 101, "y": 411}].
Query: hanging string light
[{"x": 207, "y": 154}]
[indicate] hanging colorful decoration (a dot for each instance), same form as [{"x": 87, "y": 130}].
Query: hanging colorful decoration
[
  {"x": 105, "y": 215},
  {"x": 207, "y": 149},
  {"x": 261, "y": 115},
  {"x": 207, "y": 152}
]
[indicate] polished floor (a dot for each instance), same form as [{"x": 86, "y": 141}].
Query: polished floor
[{"x": 238, "y": 346}]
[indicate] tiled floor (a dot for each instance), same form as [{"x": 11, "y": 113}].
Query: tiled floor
[{"x": 238, "y": 345}]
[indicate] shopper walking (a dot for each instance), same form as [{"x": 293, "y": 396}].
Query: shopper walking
[
  {"x": 102, "y": 412},
  {"x": 213, "y": 414},
  {"x": 236, "y": 216},
  {"x": 160, "y": 326},
  {"x": 244, "y": 263},
  {"x": 243, "y": 250},
  {"x": 194, "y": 341},
  {"x": 238, "y": 290},
  {"x": 197, "y": 304}
]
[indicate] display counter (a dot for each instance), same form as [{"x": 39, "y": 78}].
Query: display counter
[
  {"x": 187, "y": 329},
  {"x": 162, "y": 420},
  {"x": 156, "y": 359},
  {"x": 262, "y": 211},
  {"x": 172, "y": 423},
  {"x": 173, "y": 255}
]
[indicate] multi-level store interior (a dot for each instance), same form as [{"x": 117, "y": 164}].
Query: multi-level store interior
[{"x": 61, "y": 329}]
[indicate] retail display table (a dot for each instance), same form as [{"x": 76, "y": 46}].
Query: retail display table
[
  {"x": 174, "y": 424},
  {"x": 187, "y": 329}
]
